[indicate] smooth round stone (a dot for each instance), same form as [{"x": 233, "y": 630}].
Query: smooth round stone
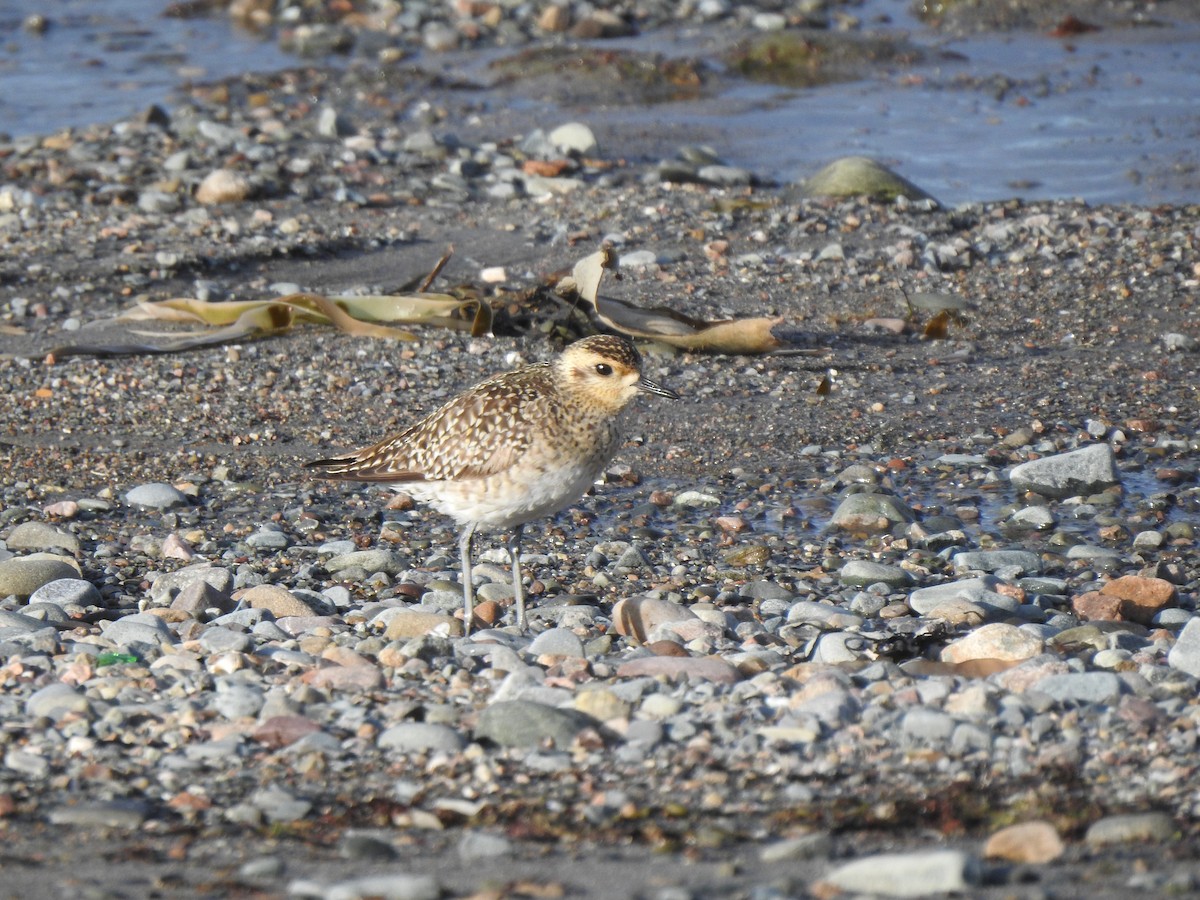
[
  {"x": 862, "y": 572},
  {"x": 41, "y": 536},
  {"x": 55, "y": 701},
  {"x": 268, "y": 539},
  {"x": 101, "y": 814},
  {"x": 1185, "y": 655},
  {"x": 1172, "y": 618},
  {"x": 727, "y": 176},
  {"x": 557, "y": 642},
  {"x": 918, "y": 874},
  {"x": 420, "y": 737},
  {"x": 661, "y": 706},
  {"x": 574, "y": 138},
  {"x": 156, "y": 495},
  {"x": 991, "y": 560},
  {"x": 67, "y": 592},
  {"x": 858, "y": 176},
  {"x": 475, "y": 846},
  {"x": 693, "y": 499},
  {"x": 224, "y": 640},
  {"x": 928, "y": 725},
  {"x": 1081, "y": 687},
  {"x": 1038, "y": 518},
  {"x": 277, "y": 805},
  {"x": 23, "y": 575},
  {"x": 337, "y": 548},
  {"x": 838, "y": 647},
  {"x": 870, "y": 512},
  {"x": 822, "y": 614},
  {"x": 235, "y": 700},
  {"x": 1124, "y": 829},
  {"x": 806, "y": 846},
  {"x": 524, "y": 723},
  {"x": 368, "y": 560},
  {"x": 139, "y": 629}
]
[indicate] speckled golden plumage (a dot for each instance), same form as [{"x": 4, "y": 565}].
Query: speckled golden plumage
[{"x": 514, "y": 448}]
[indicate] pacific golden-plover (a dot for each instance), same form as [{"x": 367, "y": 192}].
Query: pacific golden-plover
[{"x": 514, "y": 448}]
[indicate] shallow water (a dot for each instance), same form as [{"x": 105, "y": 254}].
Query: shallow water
[
  {"x": 102, "y": 60},
  {"x": 1108, "y": 117}
]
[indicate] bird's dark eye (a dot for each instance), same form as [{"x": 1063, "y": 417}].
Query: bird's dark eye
[{"x": 603, "y": 369}]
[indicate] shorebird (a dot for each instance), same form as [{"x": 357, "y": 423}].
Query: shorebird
[{"x": 517, "y": 447}]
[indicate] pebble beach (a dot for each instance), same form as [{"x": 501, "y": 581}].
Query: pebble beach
[{"x": 907, "y": 608}]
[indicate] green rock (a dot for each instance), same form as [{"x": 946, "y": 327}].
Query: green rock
[{"x": 859, "y": 176}]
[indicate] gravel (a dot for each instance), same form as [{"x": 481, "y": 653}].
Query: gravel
[{"x": 837, "y": 616}]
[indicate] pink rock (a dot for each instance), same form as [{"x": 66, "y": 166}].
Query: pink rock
[
  {"x": 637, "y": 617},
  {"x": 279, "y": 731},
  {"x": 1141, "y": 598},
  {"x": 996, "y": 641},
  {"x": 345, "y": 678},
  {"x": 701, "y": 668},
  {"x": 1028, "y": 842}
]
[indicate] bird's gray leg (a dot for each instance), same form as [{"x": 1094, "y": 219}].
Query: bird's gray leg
[
  {"x": 514, "y": 551},
  {"x": 464, "y": 549}
]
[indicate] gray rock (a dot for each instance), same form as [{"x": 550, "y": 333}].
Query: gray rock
[
  {"x": 1134, "y": 827},
  {"x": 695, "y": 499},
  {"x": 931, "y": 726},
  {"x": 476, "y": 846},
  {"x": 726, "y": 176},
  {"x": 1185, "y": 655},
  {"x": 991, "y": 560},
  {"x": 22, "y": 575},
  {"x": 391, "y": 886},
  {"x": 862, "y": 572},
  {"x": 236, "y": 699},
  {"x": 278, "y": 805},
  {"x": 917, "y": 874},
  {"x": 806, "y": 846},
  {"x": 839, "y": 647},
  {"x": 574, "y": 138},
  {"x": 200, "y": 596},
  {"x": 557, "y": 642},
  {"x": 156, "y": 495},
  {"x": 1081, "y": 687},
  {"x": 973, "y": 590},
  {"x": 524, "y": 723},
  {"x": 829, "y": 617},
  {"x": 369, "y": 847},
  {"x": 224, "y": 640},
  {"x": 268, "y": 539},
  {"x": 1083, "y": 471},
  {"x": 41, "y": 536},
  {"x": 67, "y": 592},
  {"x": 55, "y": 701},
  {"x": 19, "y": 623},
  {"x": 418, "y": 737},
  {"x": 370, "y": 561},
  {"x": 141, "y": 628},
  {"x": 122, "y": 813},
  {"x": 870, "y": 512},
  {"x": 166, "y": 585},
  {"x": 1036, "y": 518}
]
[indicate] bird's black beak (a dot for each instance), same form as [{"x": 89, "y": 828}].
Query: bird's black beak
[{"x": 646, "y": 386}]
